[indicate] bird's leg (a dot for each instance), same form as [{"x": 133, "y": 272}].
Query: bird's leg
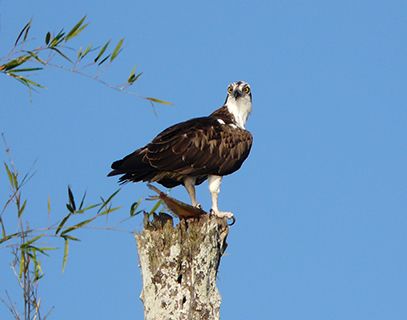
[
  {"x": 214, "y": 188},
  {"x": 189, "y": 184}
]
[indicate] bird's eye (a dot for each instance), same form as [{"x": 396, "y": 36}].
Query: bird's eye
[
  {"x": 246, "y": 90},
  {"x": 230, "y": 89}
]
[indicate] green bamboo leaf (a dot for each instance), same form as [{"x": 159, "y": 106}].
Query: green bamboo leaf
[
  {"x": 26, "y": 70},
  {"x": 25, "y": 81},
  {"x": 156, "y": 206},
  {"x": 66, "y": 252},
  {"x": 37, "y": 266},
  {"x": 116, "y": 50},
  {"x": 105, "y": 203},
  {"x": 33, "y": 83},
  {"x": 22, "y": 264},
  {"x": 71, "y": 199},
  {"x": 134, "y": 207},
  {"x": 85, "y": 53},
  {"x": 16, "y": 62},
  {"x": 11, "y": 176},
  {"x": 109, "y": 210},
  {"x": 79, "y": 54},
  {"x": 6, "y": 238},
  {"x": 21, "y": 209},
  {"x": 158, "y": 100},
  {"x": 35, "y": 56},
  {"x": 62, "y": 223},
  {"x": 40, "y": 274},
  {"x": 88, "y": 208},
  {"x": 103, "y": 60},
  {"x": 82, "y": 200},
  {"x": 102, "y": 51},
  {"x": 21, "y": 80},
  {"x": 24, "y": 30},
  {"x": 61, "y": 53},
  {"x": 31, "y": 241},
  {"x": 58, "y": 39},
  {"x": 77, "y": 226},
  {"x": 42, "y": 250},
  {"x": 70, "y": 209},
  {"x": 133, "y": 77},
  {"x": 76, "y": 29},
  {"x": 47, "y": 38},
  {"x": 49, "y": 205},
  {"x": 67, "y": 236},
  {"x": 3, "y": 229},
  {"x": 132, "y": 74},
  {"x": 81, "y": 29}
]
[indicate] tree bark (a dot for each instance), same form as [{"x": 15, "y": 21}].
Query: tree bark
[{"x": 179, "y": 265}]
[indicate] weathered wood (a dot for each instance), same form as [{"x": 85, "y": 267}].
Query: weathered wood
[{"x": 179, "y": 265}]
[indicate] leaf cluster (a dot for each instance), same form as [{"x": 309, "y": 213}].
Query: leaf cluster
[
  {"x": 21, "y": 63},
  {"x": 29, "y": 240},
  {"x": 30, "y": 244}
]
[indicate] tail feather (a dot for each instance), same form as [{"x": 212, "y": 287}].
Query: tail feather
[
  {"x": 132, "y": 168},
  {"x": 116, "y": 166}
]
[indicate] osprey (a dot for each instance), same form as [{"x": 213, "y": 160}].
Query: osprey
[{"x": 190, "y": 152}]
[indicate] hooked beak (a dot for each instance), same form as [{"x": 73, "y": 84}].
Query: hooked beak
[{"x": 237, "y": 93}]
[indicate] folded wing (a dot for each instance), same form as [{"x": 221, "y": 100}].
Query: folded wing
[{"x": 198, "y": 147}]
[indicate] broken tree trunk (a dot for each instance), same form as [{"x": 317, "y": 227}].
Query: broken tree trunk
[{"x": 179, "y": 265}]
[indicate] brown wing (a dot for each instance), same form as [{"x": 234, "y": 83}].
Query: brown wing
[{"x": 199, "y": 147}]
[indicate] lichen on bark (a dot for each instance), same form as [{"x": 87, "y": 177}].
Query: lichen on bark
[{"x": 179, "y": 264}]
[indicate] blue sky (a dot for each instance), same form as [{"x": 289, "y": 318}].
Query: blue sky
[{"x": 321, "y": 201}]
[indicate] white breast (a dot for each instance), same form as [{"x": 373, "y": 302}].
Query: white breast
[{"x": 240, "y": 109}]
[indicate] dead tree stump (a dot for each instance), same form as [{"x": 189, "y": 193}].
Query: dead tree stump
[{"x": 179, "y": 265}]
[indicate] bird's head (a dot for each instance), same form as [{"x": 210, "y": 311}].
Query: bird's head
[
  {"x": 239, "y": 101},
  {"x": 239, "y": 90}
]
